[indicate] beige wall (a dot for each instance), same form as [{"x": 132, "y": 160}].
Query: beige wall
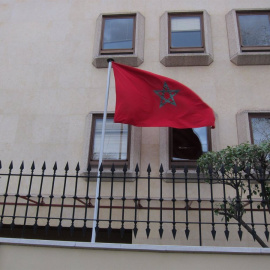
[
  {"x": 48, "y": 84},
  {"x": 48, "y": 87},
  {"x": 39, "y": 257}
]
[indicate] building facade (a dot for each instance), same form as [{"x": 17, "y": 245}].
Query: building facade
[{"x": 53, "y": 77}]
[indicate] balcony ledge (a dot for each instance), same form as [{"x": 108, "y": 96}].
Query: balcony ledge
[{"x": 135, "y": 247}]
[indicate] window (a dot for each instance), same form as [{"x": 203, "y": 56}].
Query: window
[
  {"x": 249, "y": 36},
  {"x": 117, "y": 35},
  {"x": 259, "y": 127},
  {"x": 252, "y": 123},
  {"x": 116, "y": 142},
  {"x": 186, "y": 33},
  {"x": 121, "y": 37},
  {"x": 254, "y": 31},
  {"x": 187, "y": 145},
  {"x": 125, "y": 149},
  {"x": 209, "y": 139},
  {"x": 185, "y": 39}
]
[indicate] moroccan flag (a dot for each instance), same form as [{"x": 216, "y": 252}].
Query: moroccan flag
[{"x": 146, "y": 99}]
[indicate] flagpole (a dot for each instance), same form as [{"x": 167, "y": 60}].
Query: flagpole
[{"x": 93, "y": 240}]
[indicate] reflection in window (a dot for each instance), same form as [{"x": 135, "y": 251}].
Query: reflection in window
[
  {"x": 254, "y": 29},
  {"x": 186, "y": 32},
  {"x": 118, "y": 33},
  {"x": 115, "y": 143},
  {"x": 189, "y": 144},
  {"x": 260, "y": 128}
]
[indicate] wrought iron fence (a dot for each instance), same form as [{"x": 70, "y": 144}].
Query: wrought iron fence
[{"x": 182, "y": 206}]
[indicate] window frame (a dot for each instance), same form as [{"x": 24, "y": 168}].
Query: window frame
[
  {"x": 238, "y": 56},
  {"x": 186, "y": 49},
  {"x": 179, "y": 59},
  {"x": 107, "y": 162},
  {"x": 187, "y": 163},
  {"x": 134, "y": 59},
  {"x": 117, "y": 51},
  {"x": 255, "y": 115},
  {"x": 251, "y": 48}
]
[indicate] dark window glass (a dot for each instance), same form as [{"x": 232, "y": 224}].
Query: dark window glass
[
  {"x": 189, "y": 144},
  {"x": 115, "y": 143},
  {"x": 254, "y": 29},
  {"x": 186, "y": 32},
  {"x": 260, "y": 127},
  {"x": 118, "y": 33}
]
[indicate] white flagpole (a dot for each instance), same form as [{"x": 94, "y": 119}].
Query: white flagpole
[{"x": 93, "y": 240}]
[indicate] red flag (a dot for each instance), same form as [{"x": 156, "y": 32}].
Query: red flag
[{"x": 146, "y": 99}]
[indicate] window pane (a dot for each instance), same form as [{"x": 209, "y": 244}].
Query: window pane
[
  {"x": 189, "y": 143},
  {"x": 260, "y": 129},
  {"x": 255, "y": 30},
  {"x": 118, "y": 33},
  {"x": 202, "y": 135},
  {"x": 115, "y": 143},
  {"x": 186, "y": 32}
]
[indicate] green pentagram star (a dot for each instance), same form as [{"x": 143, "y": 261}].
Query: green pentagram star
[{"x": 163, "y": 92}]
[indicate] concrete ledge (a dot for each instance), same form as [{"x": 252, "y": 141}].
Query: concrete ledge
[
  {"x": 100, "y": 61},
  {"x": 44, "y": 255},
  {"x": 135, "y": 247},
  {"x": 186, "y": 59},
  {"x": 249, "y": 58}
]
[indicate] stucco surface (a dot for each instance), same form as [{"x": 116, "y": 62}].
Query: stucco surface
[
  {"x": 43, "y": 257},
  {"x": 49, "y": 86}
]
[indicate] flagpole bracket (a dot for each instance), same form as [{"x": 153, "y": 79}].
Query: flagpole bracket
[{"x": 110, "y": 60}]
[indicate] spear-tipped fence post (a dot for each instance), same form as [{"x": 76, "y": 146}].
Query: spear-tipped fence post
[
  {"x": 226, "y": 232},
  {"x": 28, "y": 196},
  {"x": 39, "y": 196},
  {"x": 51, "y": 198},
  {"x": 187, "y": 231},
  {"x": 135, "y": 229},
  {"x": 74, "y": 199},
  {"x": 17, "y": 196},
  {"x": 63, "y": 197},
  {"x": 161, "y": 202},
  {"x": 6, "y": 193},
  {"x": 111, "y": 202},
  {"x": 86, "y": 199},
  {"x": 173, "y": 201},
  {"x": 148, "y": 201},
  {"x": 213, "y": 231}
]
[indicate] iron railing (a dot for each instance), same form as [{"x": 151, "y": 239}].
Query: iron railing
[{"x": 180, "y": 207}]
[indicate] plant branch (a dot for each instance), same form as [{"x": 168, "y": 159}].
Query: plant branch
[{"x": 247, "y": 227}]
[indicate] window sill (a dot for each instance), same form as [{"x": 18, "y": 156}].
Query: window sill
[
  {"x": 100, "y": 61},
  {"x": 186, "y": 59},
  {"x": 251, "y": 58}
]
